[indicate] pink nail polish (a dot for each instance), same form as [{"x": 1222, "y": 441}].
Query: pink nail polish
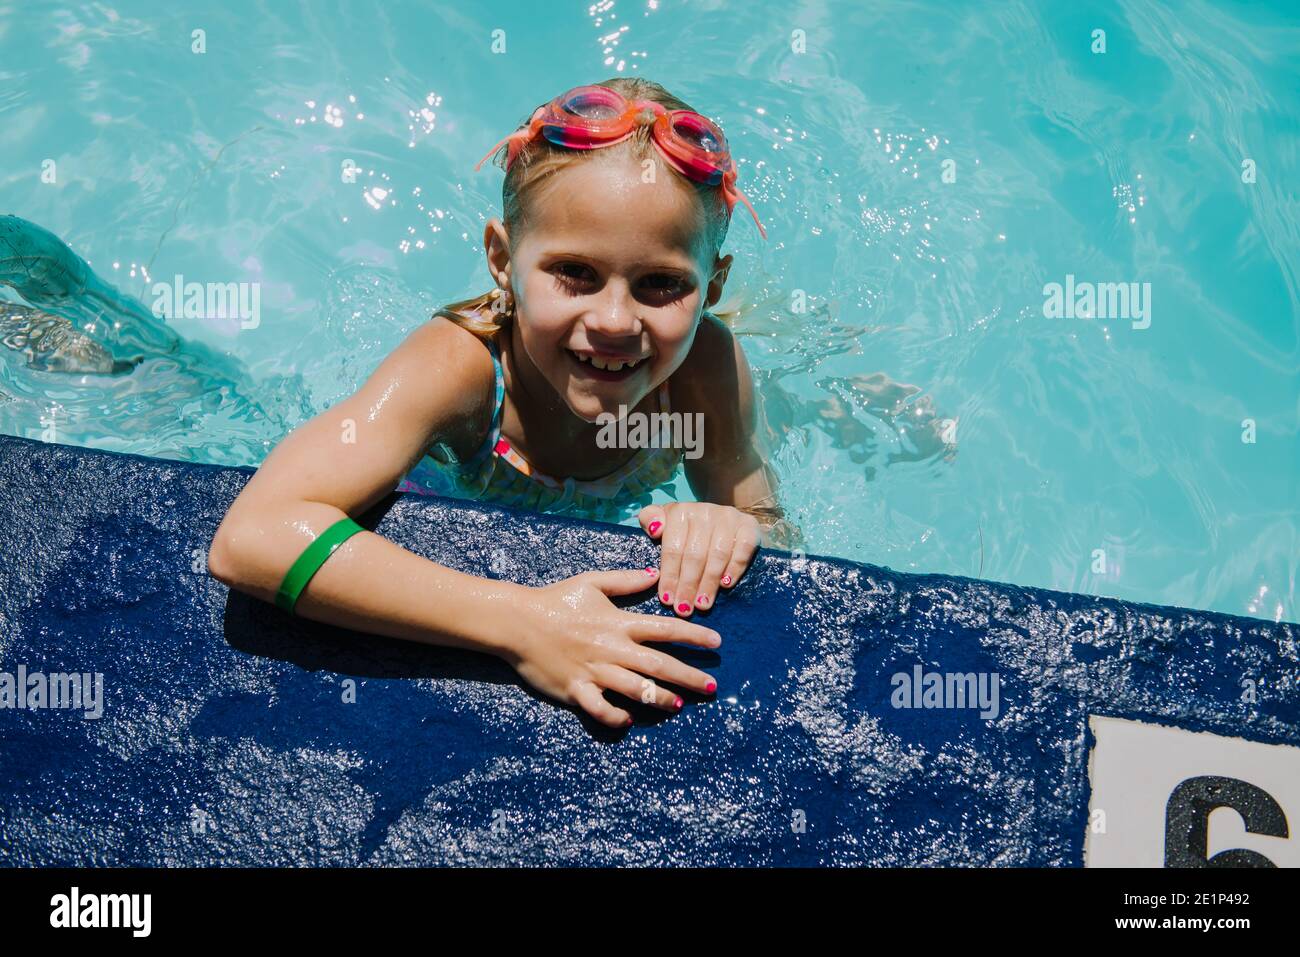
[
  {"x": 651, "y": 571},
  {"x": 677, "y": 702},
  {"x": 667, "y": 598},
  {"x": 726, "y": 579},
  {"x": 711, "y": 687},
  {"x": 701, "y": 600},
  {"x": 683, "y": 607},
  {"x": 627, "y": 723},
  {"x": 655, "y": 526}
]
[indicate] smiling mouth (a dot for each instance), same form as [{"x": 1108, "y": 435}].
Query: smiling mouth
[{"x": 607, "y": 369}]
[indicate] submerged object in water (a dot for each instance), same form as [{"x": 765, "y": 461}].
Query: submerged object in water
[
  {"x": 46, "y": 273},
  {"x": 52, "y": 344}
]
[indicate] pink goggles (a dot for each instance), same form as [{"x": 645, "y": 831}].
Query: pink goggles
[{"x": 589, "y": 117}]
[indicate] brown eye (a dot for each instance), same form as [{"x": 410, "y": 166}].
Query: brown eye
[
  {"x": 663, "y": 288},
  {"x": 573, "y": 276}
]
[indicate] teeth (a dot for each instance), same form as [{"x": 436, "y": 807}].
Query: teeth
[{"x": 608, "y": 366}]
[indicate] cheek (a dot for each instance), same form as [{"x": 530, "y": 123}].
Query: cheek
[
  {"x": 673, "y": 342},
  {"x": 542, "y": 322},
  {"x": 544, "y": 309}
]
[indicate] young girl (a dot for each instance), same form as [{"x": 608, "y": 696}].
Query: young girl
[{"x": 617, "y": 199}]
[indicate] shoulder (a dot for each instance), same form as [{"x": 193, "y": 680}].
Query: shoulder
[
  {"x": 715, "y": 380},
  {"x": 454, "y": 369},
  {"x": 458, "y": 356},
  {"x": 447, "y": 339}
]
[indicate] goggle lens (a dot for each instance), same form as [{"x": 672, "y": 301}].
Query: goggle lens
[
  {"x": 699, "y": 133},
  {"x": 593, "y": 105}
]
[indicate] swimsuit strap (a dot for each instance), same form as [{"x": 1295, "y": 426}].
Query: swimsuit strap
[
  {"x": 494, "y": 431},
  {"x": 664, "y": 405}
]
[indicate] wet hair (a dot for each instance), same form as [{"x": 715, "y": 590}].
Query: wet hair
[{"x": 535, "y": 168}]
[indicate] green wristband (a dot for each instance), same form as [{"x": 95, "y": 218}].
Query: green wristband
[{"x": 310, "y": 561}]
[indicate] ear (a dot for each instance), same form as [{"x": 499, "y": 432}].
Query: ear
[
  {"x": 496, "y": 245},
  {"x": 719, "y": 279}
]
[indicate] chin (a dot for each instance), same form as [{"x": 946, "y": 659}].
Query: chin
[{"x": 589, "y": 408}]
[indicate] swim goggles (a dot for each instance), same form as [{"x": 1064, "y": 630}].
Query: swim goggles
[{"x": 589, "y": 117}]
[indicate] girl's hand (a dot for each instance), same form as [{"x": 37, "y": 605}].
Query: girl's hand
[
  {"x": 573, "y": 643},
  {"x": 704, "y": 545}
]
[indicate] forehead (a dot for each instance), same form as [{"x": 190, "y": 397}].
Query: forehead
[{"x": 605, "y": 206}]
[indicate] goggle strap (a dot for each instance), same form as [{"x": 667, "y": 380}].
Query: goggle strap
[
  {"x": 741, "y": 196},
  {"x": 517, "y": 140},
  {"x": 493, "y": 151}
]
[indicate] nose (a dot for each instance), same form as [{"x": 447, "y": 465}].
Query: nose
[{"x": 615, "y": 315}]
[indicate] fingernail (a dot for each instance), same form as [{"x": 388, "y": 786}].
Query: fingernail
[
  {"x": 711, "y": 687},
  {"x": 726, "y": 579},
  {"x": 683, "y": 607},
  {"x": 627, "y": 723},
  {"x": 655, "y": 526},
  {"x": 701, "y": 600},
  {"x": 666, "y": 598},
  {"x": 651, "y": 571},
  {"x": 677, "y": 702}
]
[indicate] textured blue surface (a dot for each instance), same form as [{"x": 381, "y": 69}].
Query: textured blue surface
[{"x": 223, "y": 704}]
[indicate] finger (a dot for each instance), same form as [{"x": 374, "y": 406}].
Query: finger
[
  {"x": 624, "y": 581},
  {"x": 670, "y": 559},
  {"x": 694, "y": 557},
  {"x": 661, "y": 628},
  {"x": 637, "y": 687},
  {"x": 741, "y": 555},
  {"x": 666, "y": 668},
  {"x": 719, "y": 557},
  {"x": 594, "y": 703},
  {"x": 652, "y": 519}
]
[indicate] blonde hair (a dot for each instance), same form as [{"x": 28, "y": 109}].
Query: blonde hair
[{"x": 487, "y": 314}]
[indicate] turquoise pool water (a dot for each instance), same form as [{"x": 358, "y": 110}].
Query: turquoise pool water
[{"x": 927, "y": 414}]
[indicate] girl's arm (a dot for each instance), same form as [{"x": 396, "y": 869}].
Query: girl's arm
[
  {"x": 341, "y": 463},
  {"x": 710, "y": 543},
  {"x": 732, "y": 469},
  {"x": 567, "y": 639}
]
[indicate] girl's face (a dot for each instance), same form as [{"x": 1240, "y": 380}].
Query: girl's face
[{"x": 610, "y": 269}]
